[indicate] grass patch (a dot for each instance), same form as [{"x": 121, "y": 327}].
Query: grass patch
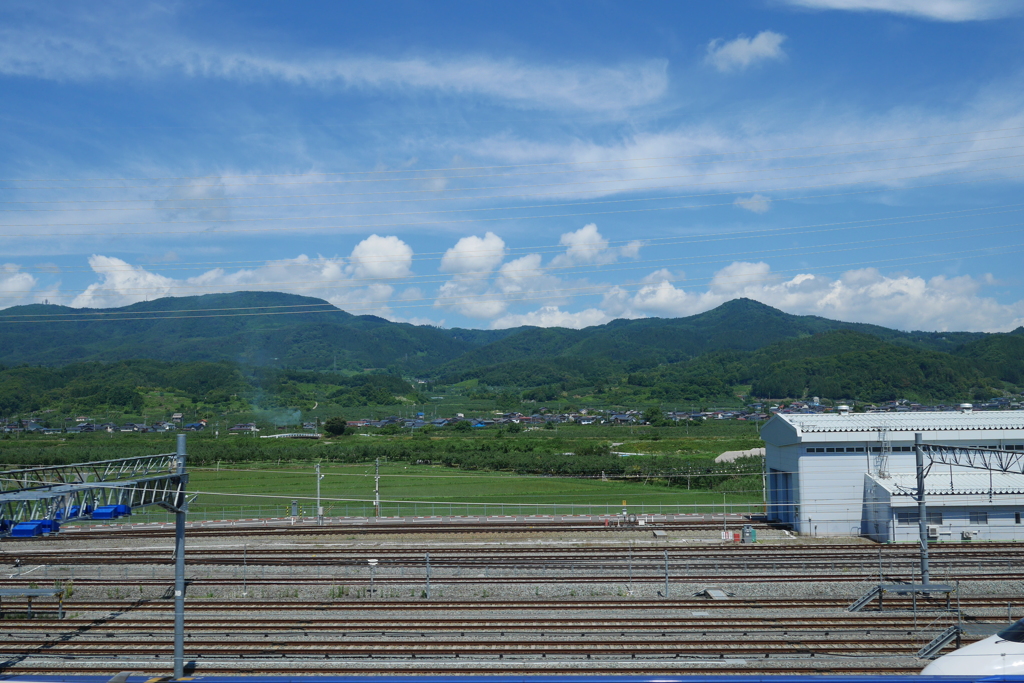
[{"x": 433, "y": 490}]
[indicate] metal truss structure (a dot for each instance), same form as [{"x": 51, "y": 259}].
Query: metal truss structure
[
  {"x": 43, "y": 492},
  {"x": 54, "y": 492},
  {"x": 992, "y": 459}
]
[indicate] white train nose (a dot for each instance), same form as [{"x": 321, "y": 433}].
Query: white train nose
[{"x": 998, "y": 655}]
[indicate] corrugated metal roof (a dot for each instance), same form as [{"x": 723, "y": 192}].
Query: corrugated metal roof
[
  {"x": 907, "y": 422},
  {"x": 939, "y": 482}
]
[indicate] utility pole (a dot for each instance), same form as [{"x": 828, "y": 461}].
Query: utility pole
[
  {"x": 376, "y": 490},
  {"x": 922, "y": 508},
  {"x": 181, "y": 507},
  {"x": 319, "y": 508}
]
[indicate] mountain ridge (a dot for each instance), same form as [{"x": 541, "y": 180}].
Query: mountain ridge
[
  {"x": 742, "y": 343},
  {"x": 290, "y": 330}
]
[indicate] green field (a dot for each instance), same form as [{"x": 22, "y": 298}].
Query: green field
[
  {"x": 427, "y": 490},
  {"x": 483, "y": 472}
]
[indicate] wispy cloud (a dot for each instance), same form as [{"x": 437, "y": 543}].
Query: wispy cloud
[
  {"x": 744, "y": 52},
  {"x": 716, "y": 162},
  {"x": 757, "y": 203},
  {"x": 936, "y": 10},
  {"x": 62, "y": 51}
]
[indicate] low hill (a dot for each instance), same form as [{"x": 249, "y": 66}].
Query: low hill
[
  {"x": 249, "y": 328},
  {"x": 834, "y": 364},
  {"x": 999, "y": 355}
]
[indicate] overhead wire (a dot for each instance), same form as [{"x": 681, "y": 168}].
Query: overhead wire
[
  {"x": 675, "y": 261},
  {"x": 578, "y": 268},
  {"x": 373, "y": 305},
  {"x": 593, "y": 268},
  {"x": 474, "y": 189},
  {"x": 521, "y": 218},
  {"x": 646, "y": 242},
  {"x": 512, "y": 208},
  {"x": 543, "y": 164}
]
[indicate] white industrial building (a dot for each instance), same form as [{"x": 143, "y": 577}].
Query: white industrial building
[
  {"x": 842, "y": 474},
  {"x": 962, "y": 506}
]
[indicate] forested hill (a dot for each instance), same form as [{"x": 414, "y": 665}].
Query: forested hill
[
  {"x": 291, "y": 331},
  {"x": 741, "y": 346},
  {"x": 741, "y": 325},
  {"x": 248, "y": 328}
]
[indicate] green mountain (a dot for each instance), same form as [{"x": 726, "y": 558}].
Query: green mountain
[
  {"x": 998, "y": 355},
  {"x": 834, "y": 364},
  {"x": 278, "y": 350},
  {"x": 633, "y": 345},
  {"x": 248, "y": 328}
]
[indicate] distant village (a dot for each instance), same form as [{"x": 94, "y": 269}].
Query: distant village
[{"x": 758, "y": 412}]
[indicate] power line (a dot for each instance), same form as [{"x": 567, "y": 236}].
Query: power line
[
  {"x": 676, "y": 261},
  {"x": 521, "y": 218},
  {"x": 561, "y": 292},
  {"x": 542, "y": 164},
  {"x": 647, "y": 242},
  {"x": 501, "y": 208},
  {"x": 477, "y": 198}
]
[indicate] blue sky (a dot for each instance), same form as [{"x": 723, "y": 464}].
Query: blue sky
[{"x": 506, "y": 163}]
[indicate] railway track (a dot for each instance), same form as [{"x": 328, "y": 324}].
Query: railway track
[
  {"x": 407, "y": 649},
  {"x": 750, "y": 556},
  {"x": 279, "y": 528},
  {"x": 211, "y": 605},
  {"x": 870, "y": 623},
  {"x": 692, "y": 576},
  {"x": 677, "y": 566},
  {"x": 701, "y": 666}
]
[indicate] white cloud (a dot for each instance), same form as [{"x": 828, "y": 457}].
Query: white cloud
[
  {"x": 524, "y": 275},
  {"x": 553, "y": 316},
  {"x": 631, "y": 249},
  {"x": 585, "y": 245},
  {"x": 122, "y": 284},
  {"x": 370, "y": 300},
  {"x": 866, "y": 295},
  {"x": 339, "y": 281},
  {"x": 713, "y": 161},
  {"x": 743, "y": 52},
  {"x": 757, "y": 203},
  {"x": 474, "y": 255},
  {"x": 381, "y": 257},
  {"x": 588, "y": 246},
  {"x": 472, "y": 260},
  {"x": 662, "y": 275},
  {"x": 107, "y": 44},
  {"x": 16, "y": 287},
  {"x": 471, "y": 297},
  {"x": 938, "y": 10},
  {"x": 739, "y": 276}
]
